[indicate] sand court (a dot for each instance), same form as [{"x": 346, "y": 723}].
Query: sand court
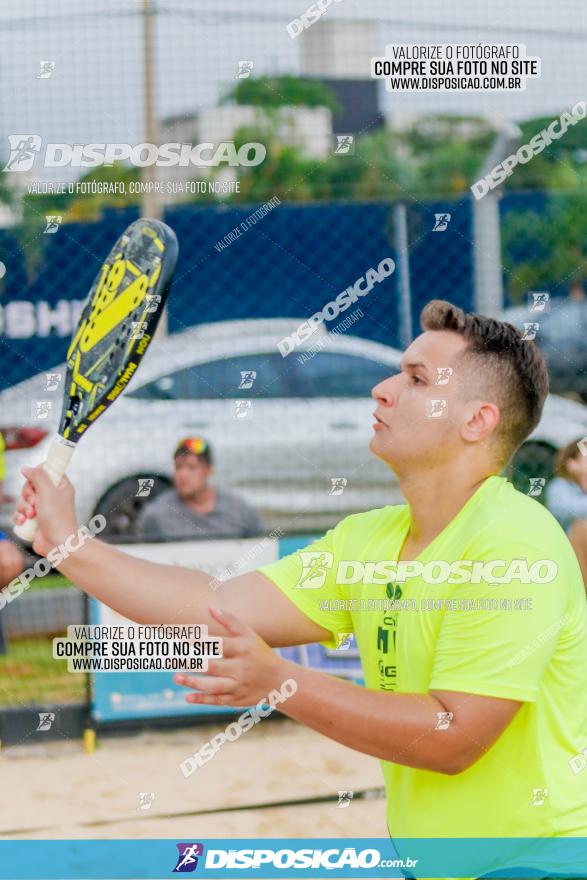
[{"x": 132, "y": 787}]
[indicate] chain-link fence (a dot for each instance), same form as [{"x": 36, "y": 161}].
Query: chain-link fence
[
  {"x": 359, "y": 210},
  {"x": 288, "y": 265}
]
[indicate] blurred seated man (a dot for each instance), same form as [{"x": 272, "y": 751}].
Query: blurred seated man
[
  {"x": 566, "y": 498},
  {"x": 194, "y": 508},
  {"x": 11, "y": 558}
]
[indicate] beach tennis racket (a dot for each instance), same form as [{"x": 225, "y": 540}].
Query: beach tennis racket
[{"x": 115, "y": 328}]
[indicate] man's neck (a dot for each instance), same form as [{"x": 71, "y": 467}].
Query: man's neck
[
  {"x": 435, "y": 498},
  {"x": 203, "y": 501}
]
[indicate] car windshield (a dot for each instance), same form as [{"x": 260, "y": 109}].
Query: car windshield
[{"x": 269, "y": 376}]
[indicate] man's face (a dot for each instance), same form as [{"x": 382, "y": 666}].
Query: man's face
[
  {"x": 419, "y": 411},
  {"x": 191, "y": 475},
  {"x": 577, "y": 467}
]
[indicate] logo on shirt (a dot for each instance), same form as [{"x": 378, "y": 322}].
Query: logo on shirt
[
  {"x": 315, "y": 564},
  {"x": 386, "y": 643}
]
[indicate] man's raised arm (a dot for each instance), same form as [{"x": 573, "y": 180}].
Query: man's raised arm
[{"x": 147, "y": 592}]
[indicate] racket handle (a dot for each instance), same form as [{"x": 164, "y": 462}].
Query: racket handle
[{"x": 58, "y": 457}]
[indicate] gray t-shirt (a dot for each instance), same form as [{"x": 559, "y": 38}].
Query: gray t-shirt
[
  {"x": 167, "y": 518},
  {"x": 567, "y": 501}
]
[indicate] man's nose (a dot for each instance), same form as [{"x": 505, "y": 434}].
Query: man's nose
[{"x": 384, "y": 393}]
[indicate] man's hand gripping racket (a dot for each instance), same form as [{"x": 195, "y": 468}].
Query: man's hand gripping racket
[{"x": 116, "y": 326}]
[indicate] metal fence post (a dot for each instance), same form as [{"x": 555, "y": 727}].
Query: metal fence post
[
  {"x": 400, "y": 222},
  {"x": 487, "y": 232}
]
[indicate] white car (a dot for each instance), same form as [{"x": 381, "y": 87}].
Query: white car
[
  {"x": 291, "y": 439},
  {"x": 280, "y": 443}
]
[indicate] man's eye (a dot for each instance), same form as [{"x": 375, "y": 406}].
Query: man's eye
[{"x": 416, "y": 380}]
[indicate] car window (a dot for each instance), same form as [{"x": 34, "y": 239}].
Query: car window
[
  {"x": 561, "y": 332},
  {"x": 334, "y": 374},
  {"x": 563, "y": 323},
  {"x": 260, "y": 376}
]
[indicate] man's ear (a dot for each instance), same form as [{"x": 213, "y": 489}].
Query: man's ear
[{"x": 481, "y": 420}]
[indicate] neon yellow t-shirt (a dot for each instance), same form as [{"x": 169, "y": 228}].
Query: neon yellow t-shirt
[{"x": 533, "y": 647}]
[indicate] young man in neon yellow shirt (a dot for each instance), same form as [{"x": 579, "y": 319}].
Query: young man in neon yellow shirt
[{"x": 475, "y": 694}]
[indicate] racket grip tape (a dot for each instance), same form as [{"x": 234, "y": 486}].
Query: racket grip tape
[{"x": 58, "y": 458}]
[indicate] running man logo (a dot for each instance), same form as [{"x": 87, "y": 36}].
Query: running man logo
[
  {"x": 443, "y": 720},
  {"x": 539, "y": 796},
  {"x": 441, "y": 222},
  {"x": 41, "y": 409},
  {"x": 530, "y": 330},
  {"x": 247, "y": 378},
  {"x": 53, "y": 380},
  {"x": 338, "y": 485},
  {"x": 539, "y": 301},
  {"x": 23, "y": 149},
  {"x": 345, "y": 145},
  {"x": 46, "y": 720},
  {"x": 53, "y": 222},
  {"x": 344, "y": 799},
  {"x": 242, "y": 409},
  {"x": 187, "y": 860},
  {"x": 46, "y": 71},
  {"x": 153, "y": 301},
  {"x": 436, "y": 408},
  {"x": 145, "y": 486},
  {"x": 146, "y": 799},
  {"x": 244, "y": 69},
  {"x": 443, "y": 375},
  {"x": 536, "y": 486},
  {"x": 315, "y": 564},
  {"x": 139, "y": 328}
]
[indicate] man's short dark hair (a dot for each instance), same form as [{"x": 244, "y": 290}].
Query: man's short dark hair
[{"x": 508, "y": 370}]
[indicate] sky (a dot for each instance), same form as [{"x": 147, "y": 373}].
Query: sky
[{"x": 95, "y": 93}]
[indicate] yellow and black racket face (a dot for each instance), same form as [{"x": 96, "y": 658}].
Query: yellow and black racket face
[{"x": 117, "y": 323}]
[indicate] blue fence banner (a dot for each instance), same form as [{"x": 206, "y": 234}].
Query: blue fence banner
[
  {"x": 289, "y": 858},
  {"x": 291, "y": 270}
]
